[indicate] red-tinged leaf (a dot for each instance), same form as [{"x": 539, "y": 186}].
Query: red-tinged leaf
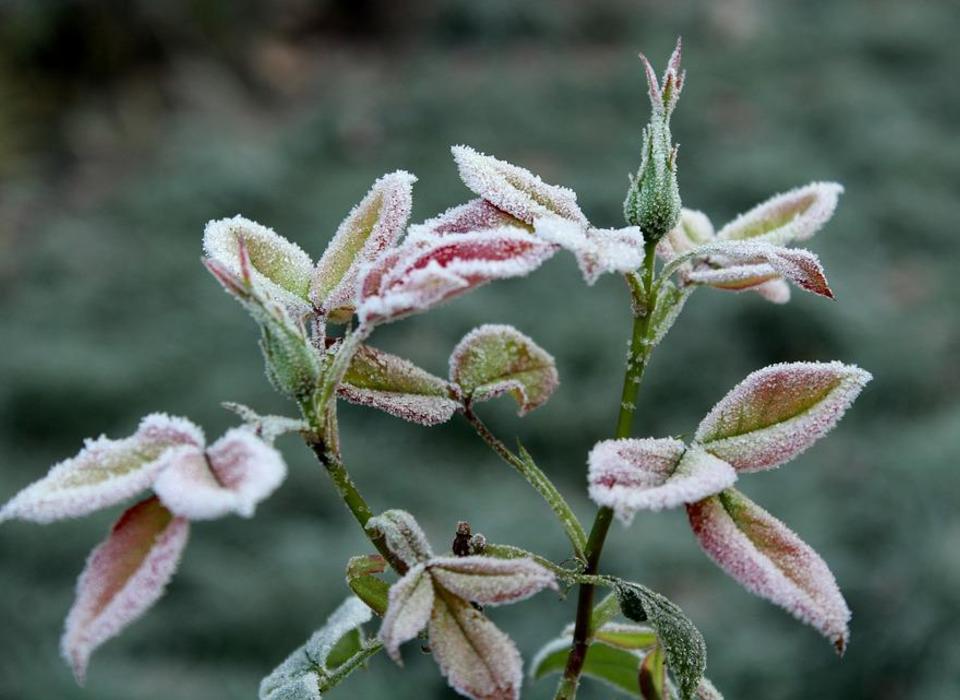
[
  {"x": 491, "y": 581},
  {"x": 232, "y": 476},
  {"x": 411, "y": 601},
  {"x": 104, "y": 473},
  {"x": 492, "y": 360},
  {"x": 397, "y": 386},
  {"x": 478, "y": 660},
  {"x": 123, "y": 577},
  {"x": 692, "y": 230},
  {"x": 279, "y": 269},
  {"x": 778, "y": 412},
  {"x": 373, "y": 226},
  {"x": 425, "y": 272},
  {"x": 792, "y": 216},
  {"x": 513, "y": 189},
  {"x": 475, "y": 215},
  {"x": 403, "y": 536},
  {"x": 653, "y": 474},
  {"x": 597, "y": 250},
  {"x": 769, "y": 560}
]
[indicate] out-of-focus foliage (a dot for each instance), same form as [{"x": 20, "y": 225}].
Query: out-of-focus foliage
[{"x": 124, "y": 127}]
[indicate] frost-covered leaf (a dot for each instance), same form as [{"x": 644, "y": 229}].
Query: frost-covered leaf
[
  {"x": 364, "y": 583},
  {"x": 653, "y": 675},
  {"x": 490, "y": 581},
  {"x": 669, "y": 304},
  {"x": 791, "y": 216},
  {"x": 598, "y": 250},
  {"x": 305, "y": 674},
  {"x": 104, "y": 473},
  {"x": 692, "y": 230},
  {"x": 403, "y": 536},
  {"x": 475, "y": 215},
  {"x": 408, "y": 610},
  {"x": 492, "y": 360},
  {"x": 615, "y": 667},
  {"x": 279, "y": 269},
  {"x": 769, "y": 560},
  {"x": 268, "y": 427},
  {"x": 776, "y": 291},
  {"x": 707, "y": 691},
  {"x": 124, "y": 576},
  {"x": 424, "y": 272},
  {"x": 232, "y": 476},
  {"x": 513, "y": 189},
  {"x": 683, "y": 643},
  {"x": 778, "y": 412},
  {"x": 397, "y": 386},
  {"x": 653, "y": 474},
  {"x": 373, "y": 226},
  {"x": 664, "y": 95},
  {"x": 478, "y": 660}
]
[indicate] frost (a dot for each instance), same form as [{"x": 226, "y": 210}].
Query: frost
[
  {"x": 769, "y": 560},
  {"x": 664, "y": 95},
  {"x": 422, "y": 272},
  {"x": 492, "y": 360},
  {"x": 778, "y": 412},
  {"x": 373, "y": 226},
  {"x": 403, "y": 536},
  {"x": 598, "y": 250},
  {"x": 303, "y": 675},
  {"x": 280, "y": 270},
  {"x": 232, "y": 476},
  {"x": 397, "y": 386},
  {"x": 491, "y": 581},
  {"x": 513, "y": 189},
  {"x": 653, "y": 474},
  {"x": 268, "y": 427},
  {"x": 104, "y": 473},
  {"x": 692, "y": 230},
  {"x": 791, "y": 216},
  {"x": 408, "y": 610},
  {"x": 707, "y": 691},
  {"x": 124, "y": 576},
  {"x": 475, "y": 215}
]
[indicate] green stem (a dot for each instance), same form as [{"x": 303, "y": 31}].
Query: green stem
[
  {"x": 525, "y": 465},
  {"x": 633, "y": 376}
]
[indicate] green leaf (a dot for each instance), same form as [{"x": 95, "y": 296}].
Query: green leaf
[
  {"x": 626, "y": 636},
  {"x": 653, "y": 675},
  {"x": 669, "y": 304},
  {"x": 367, "y": 587},
  {"x": 686, "y": 651},
  {"x": 615, "y": 667}
]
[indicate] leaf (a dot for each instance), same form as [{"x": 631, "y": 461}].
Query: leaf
[
  {"x": 615, "y": 667},
  {"x": 403, "y": 536},
  {"x": 669, "y": 304},
  {"x": 104, "y": 473},
  {"x": 423, "y": 272},
  {"x": 686, "y": 651},
  {"x": 398, "y": 387},
  {"x": 769, "y": 560},
  {"x": 626, "y": 636},
  {"x": 653, "y": 474},
  {"x": 279, "y": 269},
  {"x": 373, "y": 226},
  {"x": 692, "y": 230},
  {"x": 791, "y": 216},
  {"x": 597, "y": 250},
  {"x": 707, "y": 691},
  {"x": 123, "y": 578},
  {"x": 306, "y": 673},
  {"x": 365, "y": 585},
  {"x": 268, "y": 427},
  {"x": 653, "y": 675},
  {"x": 232, "y": 476},
  {"x": 778, "y": 412},
  {"x": 408, "y": 610},
  {"x": 475, "y": 215},
  {"x": 477, "y": 659},
  {"x": 513, "y": 189},
  {"x": 491, "y": 581},
  {"x": 492, "y": 360}
]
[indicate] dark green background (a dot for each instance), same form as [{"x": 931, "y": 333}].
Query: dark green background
[{"x": 125, "y": 126}]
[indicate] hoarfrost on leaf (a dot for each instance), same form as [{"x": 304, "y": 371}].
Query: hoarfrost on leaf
[
  {"x": 778, "y": 412},
  {"x": 771, "y": 561},
  {"x": 795, "y": 215},
  {"x": 124, "y": 576},
  {"x": 403, "y": 536},
  {"x": 475, "y": 215},
  {"x": 598, "y": 250},
  {"x": 409, "y": 606},
  {"x": 491, "y": 581},
  {"x": 493, "y": 359}
]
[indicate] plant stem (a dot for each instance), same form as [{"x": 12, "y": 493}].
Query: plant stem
[
  {"x": 536, "y": 478},
  {"x": 633, "y": 376}
]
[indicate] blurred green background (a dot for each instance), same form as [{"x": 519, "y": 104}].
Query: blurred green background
[{"x": 125, "y": 126}]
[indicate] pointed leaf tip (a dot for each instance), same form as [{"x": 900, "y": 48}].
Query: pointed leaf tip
[
  {"x": 770, "y": 561},
  {"x": 778, "y": 412}
]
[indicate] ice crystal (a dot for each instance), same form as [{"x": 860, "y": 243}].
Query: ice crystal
[
  {"x": 492, "y": 360},
  {"x": 653, "y": 474},
  {"x": 513, "y": 189},
  {"x": 791, "y": 216},
  {"x": 597, "y": 250},
  {"x": 771, "y": 561},
  {"x": 778, "y": 412},
  {"x": 123, "y": 577},
  {"x": 104, "y": 473},
  {"x": 373, "y": 226},
  {"x": 475, "y": 215}
]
